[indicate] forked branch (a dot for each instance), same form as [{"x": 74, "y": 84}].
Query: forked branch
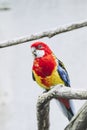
[{"x": 64, "y": 92}]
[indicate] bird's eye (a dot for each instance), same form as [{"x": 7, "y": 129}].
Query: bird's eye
[{"x": 39, "y": 46}]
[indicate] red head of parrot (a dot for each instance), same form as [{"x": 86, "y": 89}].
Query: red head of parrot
[{"x": 44, "y": 60}]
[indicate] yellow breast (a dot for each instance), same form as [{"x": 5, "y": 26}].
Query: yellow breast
[{"x": 49, "y": 81}]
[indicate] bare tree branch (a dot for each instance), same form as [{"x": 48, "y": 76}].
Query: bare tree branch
[
  {"x": 64, "y": 92},
  {"x": 43, "y": 116},
  {"x": 79, "y": 121},
  {"x": 48, "y": 34}
]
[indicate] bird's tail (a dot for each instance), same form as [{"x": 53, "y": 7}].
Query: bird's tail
[
  {"x": 67, "y": 108},
  {"x": 70, "y": 114}
]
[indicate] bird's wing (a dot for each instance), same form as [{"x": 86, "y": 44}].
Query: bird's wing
[
  {"x": 33, "y": 76},
  {"x": 63, "y": 73}
]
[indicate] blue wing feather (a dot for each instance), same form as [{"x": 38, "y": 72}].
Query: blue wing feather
[{"x": 63, "y": 73}]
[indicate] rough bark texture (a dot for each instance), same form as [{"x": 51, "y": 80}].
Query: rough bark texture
[
  {"x": 64, "y": 92},
  {"x": 43, "y": 115},
  {"x": 78, "y": 122},
  {"x": 48, "y": 34}
]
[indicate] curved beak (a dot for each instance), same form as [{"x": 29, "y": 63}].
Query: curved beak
[{"x": 37, "y": 53}]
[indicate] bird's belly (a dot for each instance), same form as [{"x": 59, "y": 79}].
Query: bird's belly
[{"x": 49, "y": 81}]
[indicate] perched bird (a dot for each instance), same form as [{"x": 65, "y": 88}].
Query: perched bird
[{"x": 49, "y": 71}]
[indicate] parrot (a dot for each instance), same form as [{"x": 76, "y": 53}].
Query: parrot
[{"x": 48, "y": 71}]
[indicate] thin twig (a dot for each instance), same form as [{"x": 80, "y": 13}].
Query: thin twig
[
  {"x": 49, "y": 34},
  {"x": 4, "y": 8}
]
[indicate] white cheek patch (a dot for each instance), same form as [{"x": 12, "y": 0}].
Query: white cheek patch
[{"x": 40, "y": 53}]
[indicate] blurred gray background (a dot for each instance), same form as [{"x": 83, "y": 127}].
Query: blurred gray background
[{"x": 18, "y": 92}]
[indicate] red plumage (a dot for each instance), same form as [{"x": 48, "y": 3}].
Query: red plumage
[{"x": 46, "y": 65}]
